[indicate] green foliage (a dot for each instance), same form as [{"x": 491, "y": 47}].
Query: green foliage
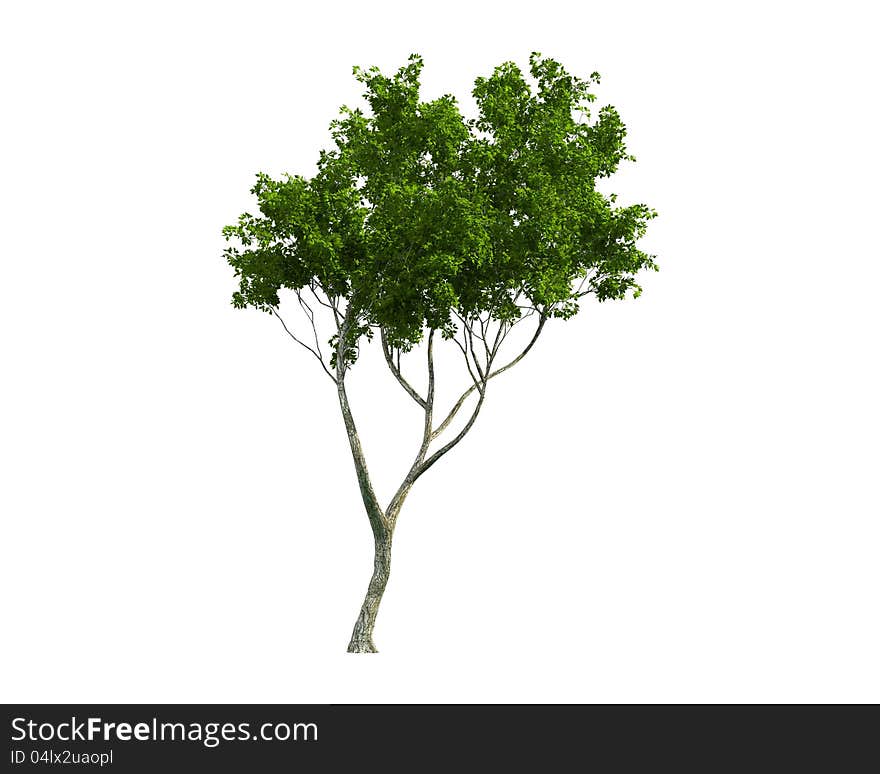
[{"x": 417, "y": 213}]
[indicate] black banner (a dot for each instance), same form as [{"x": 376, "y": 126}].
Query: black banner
[{"x": 150, "y": 738}]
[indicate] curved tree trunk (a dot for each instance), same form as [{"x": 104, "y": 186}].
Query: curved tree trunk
[
  {"x": 382, "y": 522},
  {"x": 362, "y": 635}
]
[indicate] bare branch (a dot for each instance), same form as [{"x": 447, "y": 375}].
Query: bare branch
[
  {"x": 430, "y": 400},
  {"x": 395, "y": 369},
  {"x": 579, "y": 293},
  {"x": 481, "y": 387},
  {"x": 400, "y": 495},
  {"x": 378, "y": 519},
  {"x": 469, "y": 331},
  {"x": 467, "y": 361},
  {"x": 311, "y": 315},
  {"x": 321, "y": 301},
  {"x": 440, "y": 452},
  {"x": 303, "y": 344},
  {"x": 499, "y": 337},
  {"x": 460, "y": 402},
  {"x": 463, "y": 346},
  {"x": 470, "y": 355}
]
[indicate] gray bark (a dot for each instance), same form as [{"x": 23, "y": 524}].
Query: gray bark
[
  {"x": 362, "y": 635},
  {"x": 382, "y": 522}
]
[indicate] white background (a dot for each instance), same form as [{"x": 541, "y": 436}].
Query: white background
[{"x": 672, "y": 499}]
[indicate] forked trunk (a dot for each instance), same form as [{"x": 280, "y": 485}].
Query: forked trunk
[{"x": 362, "y": 636}]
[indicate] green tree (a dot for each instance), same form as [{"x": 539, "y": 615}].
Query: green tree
[{"x": 426, "y": 227}]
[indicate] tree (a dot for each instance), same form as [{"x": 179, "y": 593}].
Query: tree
[{"x": 427, "y": 228}]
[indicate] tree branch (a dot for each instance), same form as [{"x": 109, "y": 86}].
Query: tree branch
[
  {"x": 395, "y": 369},
  {"x": 469, "y": 334},
  {"x": 441, "y": 451},
  {"x": 311, "y": 315},
  {"x": 403, "y": 490},
  {"x": 303, "y": 344},
  {"x": 378, "y": 521},
  {"x": 463, "y": 346},
  {"x": 455, "y": 409},
  {"x": 430, "y": 400}
]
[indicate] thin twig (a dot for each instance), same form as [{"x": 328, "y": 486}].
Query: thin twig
[{"x": 302, "y": 344}]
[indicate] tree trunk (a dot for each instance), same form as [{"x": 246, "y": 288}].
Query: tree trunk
[{"x": 362, "y": 635}]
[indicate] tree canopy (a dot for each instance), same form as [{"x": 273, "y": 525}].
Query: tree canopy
[{"x": 418, "y": 216}]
